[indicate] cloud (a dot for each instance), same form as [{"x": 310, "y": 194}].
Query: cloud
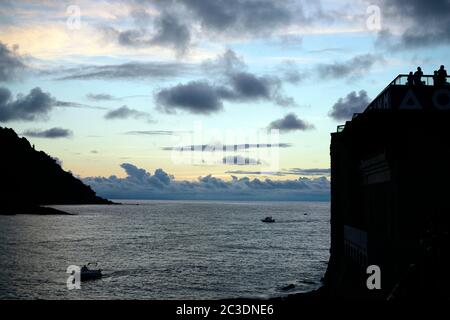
[
  {"x": 171, "y": 32},
  {"x": 52, "y": 133},
  {"x": 33, "y": 106},
  {"x": 109, "y": 97},
  {"x": 306, "y": 172},
  {"x": 206, "y": 97},
  {"x": 68, "y": 104},
  {"x": 290, "y": 122},
  {"x": 165, "y": 30},
  {"x": 290, "y": 72},
  {"x": 345, "y": 107},
  {"x": 140, "y": 184},
  {"x": 246, "y": 87},
  {"x": 248, "y": 172},
  {"x": 11, "y": 63},
  {"x": 224, "y": 63},
  {"x": 177, "y": 24},
  {"x": 157, "y": 132},
  {"x": 427, "y": 23},
  {"x": 126, "y": 71},
  {"x": 244, "y": 18},
  {"x": 196, "y": 97},
  {"x": 58, "y": 161},
  {"x": 354, "y": 67},
  {"x": 126, "y": 113},
  {"x": 100, "y": 97},
  {"x": 292, "y": 171},
  {"x": 232, "y": 147}
]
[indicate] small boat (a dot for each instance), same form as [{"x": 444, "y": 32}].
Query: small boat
[
  {"x": 90, "y": 274},
  {"x": 268, "y": 219}
]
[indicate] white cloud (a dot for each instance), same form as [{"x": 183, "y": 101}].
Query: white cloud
[{"x": 140, "y": 184}]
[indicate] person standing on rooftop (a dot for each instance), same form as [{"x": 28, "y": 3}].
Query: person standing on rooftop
[
  {"x": 442, "y": 75},
  {"x": 418, "y": 77},
  {"x": 410, "y": 79}
]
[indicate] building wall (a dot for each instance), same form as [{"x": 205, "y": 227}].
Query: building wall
[{"x": 390, "y": 175}]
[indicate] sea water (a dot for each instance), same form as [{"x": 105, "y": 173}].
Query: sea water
[{"x": 167, "y": 250}]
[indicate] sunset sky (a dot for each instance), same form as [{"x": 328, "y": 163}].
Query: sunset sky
[{"x": 109, "y": 87}]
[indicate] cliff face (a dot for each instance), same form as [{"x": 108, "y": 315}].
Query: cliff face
[{"x": 29, "y": 177}]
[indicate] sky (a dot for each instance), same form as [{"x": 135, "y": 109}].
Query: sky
[{"x": 204, "y": 99}]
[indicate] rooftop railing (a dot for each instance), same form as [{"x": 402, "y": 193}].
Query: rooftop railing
[
  {"x": 402, "y": 80},
  {"x": 427, "y": 80}
]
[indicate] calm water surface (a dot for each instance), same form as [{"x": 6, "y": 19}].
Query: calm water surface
[{"x": 167, "y": 250}]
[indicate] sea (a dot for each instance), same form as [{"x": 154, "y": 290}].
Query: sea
[{"x": 167, "y": 250}]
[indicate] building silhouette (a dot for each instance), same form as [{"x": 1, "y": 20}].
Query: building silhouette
[{"x": 390, "y": 195}]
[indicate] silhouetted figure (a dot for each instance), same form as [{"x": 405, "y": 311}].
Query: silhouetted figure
[
  {"x": 418, "y": 77},
  {"x": 436, "y": 81},
  {"x": 410, "y": 79},
  {"x": 442, "y": 75}
]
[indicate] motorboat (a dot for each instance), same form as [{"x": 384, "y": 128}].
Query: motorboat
[
  {"x": 90, "y": 274},
  {"x": 268, "y": 219}
]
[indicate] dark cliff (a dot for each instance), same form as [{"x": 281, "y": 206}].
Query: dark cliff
[{"x": 31, "y": 178}]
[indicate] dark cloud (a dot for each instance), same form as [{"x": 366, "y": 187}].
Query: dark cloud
[
  {"x": 246, "y": 86},
  {"x": 240, "y": 17},
  {"x": 428, "y": 23},
  {"x": 345, "y": 107},
  {"x": 204, "y": 97},
  {"x": 179, "y": 22},
  {"x": 131, "y": 70},
  {"x": 140, "y": 184},
  {"x": 166, "y": 30},
  {"x": 11, "y": 64},
  {"x": 172, "y": 33},
  {"x": 33, "y": 106},
  {"x": 290, "y": 122},
  {"x": 232, "y": 147},
  {"x": 52, "y": 133},
  {"x": 126, "y": 113},
  {"x": 355, "y": 67},
  {"x": 36, "y": 105},
  {"x": 197, "y": 97}
]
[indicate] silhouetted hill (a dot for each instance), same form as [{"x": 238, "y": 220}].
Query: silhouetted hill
[{"x": 30, "y": 178}]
